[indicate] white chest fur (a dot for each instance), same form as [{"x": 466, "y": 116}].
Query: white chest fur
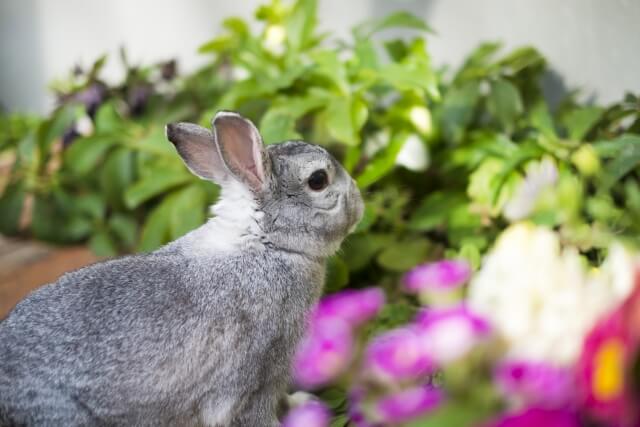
[{"x": 235, "y": 223}]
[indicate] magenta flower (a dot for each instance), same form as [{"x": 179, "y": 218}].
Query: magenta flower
[
  {"x": 324, "y": 353},
  {"x": 353, "y": 306},
  {"x": 538, "y": 417},
  {"x": 397, "y": 355},
  {"x": 603, "y": 367},
  {"x": 437, "y": 276},
  {"x": 535, "y": 383},
  {"x": 310, "y": 414},
  {"x": 408, "y": 404},
  {"x": 448, "y": 334}
]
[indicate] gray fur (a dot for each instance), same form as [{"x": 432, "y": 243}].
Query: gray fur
[{"x": 188, "y": 334}]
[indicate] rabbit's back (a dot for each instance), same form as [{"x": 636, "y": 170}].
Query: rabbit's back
[{"x": 147, "y": 338}]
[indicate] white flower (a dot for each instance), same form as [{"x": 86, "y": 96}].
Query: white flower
[
  {"x": 540, "y": 297},
  {"x": 239, "y": 73},
  {"x": 539, "y": 176},
  {"x": 84, "y": 125},
  {"x": 377, "y": 142},
  {"x": 420, "y": 117},
  {"x": 274, "y": 38},
  {"x": 413, "y": 155}
]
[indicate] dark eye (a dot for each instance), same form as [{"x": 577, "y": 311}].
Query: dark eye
[{"x": 318, "y": 180}]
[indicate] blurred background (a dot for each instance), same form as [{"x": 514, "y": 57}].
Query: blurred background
[{"x": 591, "y": 43}]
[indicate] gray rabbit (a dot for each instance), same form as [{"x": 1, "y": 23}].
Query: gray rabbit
[{"x": 201, "y": 331}]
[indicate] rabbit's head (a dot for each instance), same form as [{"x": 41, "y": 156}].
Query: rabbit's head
[{"x": 292, "y": 196}]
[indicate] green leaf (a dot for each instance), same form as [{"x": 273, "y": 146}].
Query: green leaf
[
  {"x": 102, "y": 244},
  {"x": 397, "y": 49},
  {"x": 90, "y": 204},
  {"x": 580, "y": 121},
  {"x": 11, "y": 203},
  {"x": 116, "y": 176},
  {"x": 382, "y": 163},
  {"x": 520, "y": 59},
  {"x": 403, "y": 255},
  {"x": 155, "y": 142},
  {"x": 52, "y": 128},
  {"x": 409, "y": 76},
  {"x": 83, "y": 156},
  {"x": 188, "y": 209},
  {"x": 156, "y": 229},
  {"x": 457, "y": 108},
  {"x": 53, "y": 220},
  {"x": 400, "y": 19},
  {"x": 301, "y": 24},
  {"x": 487, "y": 182},
  {"x": 277, "y": 126},
  {"x": 365, "y": 52},
  {"x": 360, "y": 248},
  {"x": 279, "y": 122},
  {"x": 628, "y": 160},
  {"x": 435, "y": 210},
  {"x": 153, "y": 184},
  {"x": 340, "y": 421},
  {"x": 345, "y": 118},
  {"x": 454, "y": 414},
  {"x": 625, "y": 144},
  {"x": 368, "y": 219},
  {"x": 76, "y": 228},
  {"x": 541, "y": 119},
  {"x": 108, "y": 120},
  {"x": 328, "y": 65},
  {"x": 337, "y": 274},
  {"x": 125, "y": 228},
  {"x": 504, "y": 103}
]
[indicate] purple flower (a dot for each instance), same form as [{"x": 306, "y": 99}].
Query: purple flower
[
  {"x": 448, "y": 334},
  {"x": 324, "y": 353},
  {"x": 137, "y": 98},
  {"x": 353, "y": 306},
  {"x": 397, "y": 355},
  {"x": 92, "y": 97},
  {"x": 536, "y": 417},
  {"x": 536, "y": 383},
  {"x": 438, "y": 276},
  {"x": 310, "y": 414},
  {"x": 408, "y": 404}
]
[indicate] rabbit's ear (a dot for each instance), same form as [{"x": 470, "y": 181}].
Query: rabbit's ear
[
  {"x": 241, "y": 149},
  {"x": 197, "y": 147}
]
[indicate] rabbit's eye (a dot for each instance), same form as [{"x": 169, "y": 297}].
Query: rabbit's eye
[{"x": 318, "y": 180}]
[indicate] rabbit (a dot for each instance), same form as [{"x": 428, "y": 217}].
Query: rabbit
[{"x": 201, "y": 331}]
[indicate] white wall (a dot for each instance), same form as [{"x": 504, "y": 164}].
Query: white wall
[{"x": 594, "y": 44}]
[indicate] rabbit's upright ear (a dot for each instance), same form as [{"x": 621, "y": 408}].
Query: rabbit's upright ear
[
  {"x": 241, "y": 149},
  {"x": 197, "y": 147}
]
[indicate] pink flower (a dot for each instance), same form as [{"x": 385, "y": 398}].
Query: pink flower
[
  {"x": 310, "y": 414},
  {"x": 536, "y": 383},
  {"x": 603, "y": 367},
  {"x": 538, "y": 417},
  {"x": 437, "y": 276},
  {"x": 408, "y": 404},
  {"x": 448, "y": 334},
  {"x": 353, "y": 306},
  {"x": 397, "y": 355},
  {"x": 324, "y": 353}
]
